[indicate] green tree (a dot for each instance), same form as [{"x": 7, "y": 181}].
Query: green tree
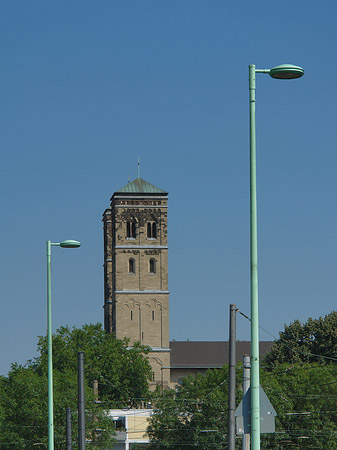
[
  {"x": 24, "y": 403},
  {"x": 122, "y": 373},
  {"x": 306, "y": 342},
  {"x": 22, "y": 400},
  {"x": 194, "y": 415},
  {"x": 303, "y": 396}
]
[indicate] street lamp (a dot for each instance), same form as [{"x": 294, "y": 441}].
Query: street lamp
[
  {"x": 64, "y": 244},
  {"x": 285, "y": 72}
]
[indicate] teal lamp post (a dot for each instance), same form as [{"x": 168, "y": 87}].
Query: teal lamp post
[
  {"x": 285, "y": 72},
  {"x": 64, "y": 244}
]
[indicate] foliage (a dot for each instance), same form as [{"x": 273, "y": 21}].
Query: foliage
[
  {"x": 122, "y": 374},
  {"x": 302, "y": 395},
  {"x": 122, "y": 371},
  {"x": 194, "y": 415},
  {"x": 23, "y": 401},
  {"x": 306, "y": 342}
]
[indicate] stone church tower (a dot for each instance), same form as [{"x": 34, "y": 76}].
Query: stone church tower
[{"x": 136, "y": 296}]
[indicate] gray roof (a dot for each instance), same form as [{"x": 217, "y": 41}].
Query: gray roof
[
  {"x": 209, "y": 354},
  {"x": 140, "y": 186}
]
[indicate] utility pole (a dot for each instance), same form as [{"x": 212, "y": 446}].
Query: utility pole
[
  {"x": 246, "y": 386},
  {"x": 232, "y": 377},
  {"x": 68, "y": 433},
  {"x": 81, "y": 408}
]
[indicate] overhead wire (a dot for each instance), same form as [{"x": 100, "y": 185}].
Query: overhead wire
[{"x": 288, "y": 346}]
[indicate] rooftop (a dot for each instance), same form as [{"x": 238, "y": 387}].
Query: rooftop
[
  {"x": 140, "y": 186},
  {"x": 209, "y": 354}
]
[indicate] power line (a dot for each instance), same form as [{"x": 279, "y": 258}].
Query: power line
[{"x": 288, "y": 346}]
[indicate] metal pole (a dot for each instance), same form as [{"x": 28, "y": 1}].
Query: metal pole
[
  {"x": 81, "y": 409},
  {"x": 246, "y": 385},
  {"x": 255, "y": 375},
  {"x": 162, "y": 381},
  {"x": 50, "y": 355},
  {"x": 49, "y": 244},
  {"x": 68, "y": 433},
  {"x": 232, "y": 377}
]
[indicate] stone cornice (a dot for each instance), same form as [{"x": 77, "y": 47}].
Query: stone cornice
[
  {"x": 142, "y": 292},
  {"x": 163, "y": 247}
]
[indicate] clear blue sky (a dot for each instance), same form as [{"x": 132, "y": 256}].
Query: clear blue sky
[{"x": 87, "y": 86}]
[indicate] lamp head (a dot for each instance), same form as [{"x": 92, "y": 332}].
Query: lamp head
[
  {"x": 70, "y": 244},
  {"x": 286, "y": 72}
]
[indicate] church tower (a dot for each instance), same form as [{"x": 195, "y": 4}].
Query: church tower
[{"x": 136, "y": 296}]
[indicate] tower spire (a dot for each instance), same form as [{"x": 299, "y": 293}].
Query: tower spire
[{"x": 138, "y": 167}]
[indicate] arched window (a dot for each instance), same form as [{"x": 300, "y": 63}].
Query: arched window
[
  {"x": 131, "y": 230},
  {"x": 132, "y": 265},
  {"x": 152, "y": 230},
  {"x": 152, "y": 265}
]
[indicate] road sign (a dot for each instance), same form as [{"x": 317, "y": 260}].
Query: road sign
[{"x": 267, "y": 414}]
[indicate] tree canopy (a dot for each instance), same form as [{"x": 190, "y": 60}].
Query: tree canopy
[
  {"x": 122, "y": 373},
  {"x": 312, "y": 341},
  {"x": 303, "y": 396},
  {"x": 299, "y": 377},
  {"x": 193, "y": 415},
  {"x": 196, "y": 415}
]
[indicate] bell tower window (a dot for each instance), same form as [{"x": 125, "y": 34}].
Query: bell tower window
[
  {"x": 131, "y": 230},
  {"x": 152, "y": 230}
]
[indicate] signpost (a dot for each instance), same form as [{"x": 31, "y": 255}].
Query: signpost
[{"x": 267, "y": 414}]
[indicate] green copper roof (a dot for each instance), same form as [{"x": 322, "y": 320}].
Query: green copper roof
[{"x": 140, "y": 186}]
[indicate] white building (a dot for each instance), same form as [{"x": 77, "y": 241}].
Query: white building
[{"x": 131, "y": 426}]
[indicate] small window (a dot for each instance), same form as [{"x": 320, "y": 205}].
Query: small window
[
  {"x": 152, "y": 265},
  {"x": 132, "y": 265},
  {"x": 152, "y": 315},
  {"x": 131, "y": 230},
  {"x": 119, "y": 423},
  {"x": 131, "y": 315}
]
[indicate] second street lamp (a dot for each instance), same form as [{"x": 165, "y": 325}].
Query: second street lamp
[
  {"x": 285, "y": 72},
  {"x": 64, "y": 244}
]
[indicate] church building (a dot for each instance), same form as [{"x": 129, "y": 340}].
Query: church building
[{"x": 136, "y": 295}]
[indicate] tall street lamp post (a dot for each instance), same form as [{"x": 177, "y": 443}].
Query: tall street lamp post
[
  {"x": 286, "y": 72},
  {"x": 64, "y": 244}
]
